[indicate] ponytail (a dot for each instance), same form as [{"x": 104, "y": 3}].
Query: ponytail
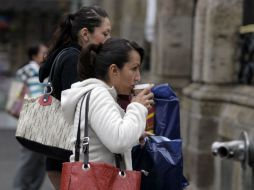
[
  {"x": 63, "y": 34},
  {"x": 86, "y": 64},
  {"x": 65, "y": 27},
  {"x": 68, "y": 29}
]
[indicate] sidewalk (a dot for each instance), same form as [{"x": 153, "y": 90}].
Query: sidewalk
[
  {"x": 7, "y": 121},
  {"x": 9, "y": 152},
  {"x": 8, "y": 159}
]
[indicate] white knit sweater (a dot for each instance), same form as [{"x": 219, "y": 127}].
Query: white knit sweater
[{"x": 111, "y": 130}]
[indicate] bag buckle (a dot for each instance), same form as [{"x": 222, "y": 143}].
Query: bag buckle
[
  {"x": 48, "y": 89},
  {"x": 85, "y": 142},
  {"x": 146, "y": 173}
]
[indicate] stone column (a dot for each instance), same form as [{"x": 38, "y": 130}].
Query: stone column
[
  {"x": 198, "y": 40},
  {"x": 133, "y": 20},
  {"x": 115, "y": 11},
  {"x": 222, "y": 24},
  {"x": 171, "y": 51}
]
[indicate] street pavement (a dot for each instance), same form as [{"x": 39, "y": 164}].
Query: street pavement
[{"x": 9, "y": 150}]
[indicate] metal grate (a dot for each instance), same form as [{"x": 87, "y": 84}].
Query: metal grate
[{"x": 246, "y": 69}]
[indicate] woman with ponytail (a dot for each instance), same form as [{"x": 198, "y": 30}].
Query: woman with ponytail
[
  {"x": 89, "y": 25},
  {"x": 108, "y": 70}
]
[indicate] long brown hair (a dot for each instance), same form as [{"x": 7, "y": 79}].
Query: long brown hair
[{"x": 68, "y": 29}]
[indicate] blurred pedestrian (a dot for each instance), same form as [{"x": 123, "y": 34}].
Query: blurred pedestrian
[
  {"x": 31, "y": 165},
  {"x": 88, "y": 25}
]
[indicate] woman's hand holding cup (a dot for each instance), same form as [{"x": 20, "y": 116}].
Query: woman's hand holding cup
[{"x": 143, "y": 95}]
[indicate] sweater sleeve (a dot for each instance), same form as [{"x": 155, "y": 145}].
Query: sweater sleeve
[
  {"x": 69, "y": 70},
  {"x": 117, "y": 133}
]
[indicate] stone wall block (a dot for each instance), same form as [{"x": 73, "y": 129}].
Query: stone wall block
[
  {"x": 235, "y": 119},
  {"x": 199, "y": 119},
  {"x": 203, "y": 131},
  {"x": 201, "y": 170},
  {"x": 206, "y": 108},
  {"x": 232, "y": 176}
]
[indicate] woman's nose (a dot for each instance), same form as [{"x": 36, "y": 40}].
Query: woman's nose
[
  {"x": 138, "y": 77},
  {"x": 107, "y": 37}
]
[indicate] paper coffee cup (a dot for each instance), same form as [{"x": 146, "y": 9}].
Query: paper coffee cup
[
  {"x": 139, "y": 87},
  {"x": 150, "y": 117}
]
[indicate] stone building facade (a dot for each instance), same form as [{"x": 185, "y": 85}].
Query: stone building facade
[{"x": 213, "y": 106}]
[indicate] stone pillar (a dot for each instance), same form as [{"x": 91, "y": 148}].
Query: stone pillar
[
  {"x": 222, "y": 24},
  {"x": 115, "y": 11},
  {"x": 215, "y": 41},
  {"x": 133, "y": 20},
  {"x": 198, "y": 40},
  {"x": 171, "y": 51}
]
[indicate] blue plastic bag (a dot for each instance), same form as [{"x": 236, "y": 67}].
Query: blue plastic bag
[
  {"x": 167, "y": 112},
  {"x": 161, "y": 160},
  {"x": 162, "y": 155}
]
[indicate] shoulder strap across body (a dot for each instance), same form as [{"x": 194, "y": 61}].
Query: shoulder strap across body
[
  {"x": 85, "y": 141},
  {"x": 49, "y": 87}
]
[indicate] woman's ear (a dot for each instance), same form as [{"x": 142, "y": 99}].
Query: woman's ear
[
  {"x": 113, "y": 73},
  {"x": 84, "y": 34},
  {"x": 113, "y": 70}
]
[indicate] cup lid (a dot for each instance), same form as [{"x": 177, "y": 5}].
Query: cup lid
[{"x": 142, "y": 86}]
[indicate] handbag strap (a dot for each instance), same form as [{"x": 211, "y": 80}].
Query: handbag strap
[
  {"x": 85, "y": 141},
  {"x": 78, "y": 140},
  {"x": 56, "y": 60},
  {"x": 49, "y": 87}
]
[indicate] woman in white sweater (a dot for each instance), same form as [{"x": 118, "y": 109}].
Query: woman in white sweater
[{"x": 109, "y": 69}]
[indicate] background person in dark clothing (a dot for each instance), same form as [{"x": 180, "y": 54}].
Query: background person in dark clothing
[{"x": 88, "y": 25}]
